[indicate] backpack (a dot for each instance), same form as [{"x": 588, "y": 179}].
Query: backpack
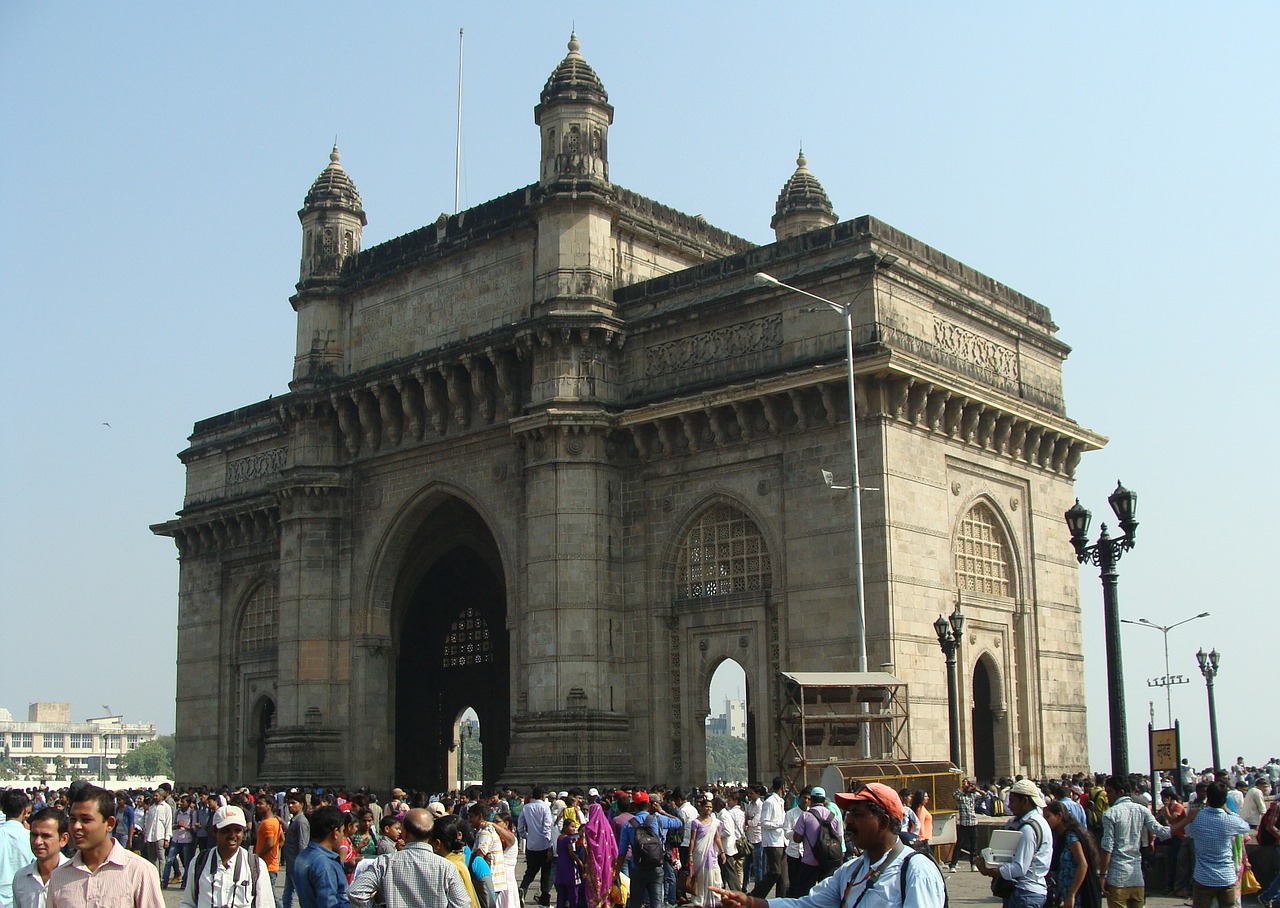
[
  {"x": 648, "y": 848},
  {"x": 826, "y": 849},
  {"x": 1094, "y": 810},
  {"x": 202, "y": 862},
  {"x": 902, "y": 885}
]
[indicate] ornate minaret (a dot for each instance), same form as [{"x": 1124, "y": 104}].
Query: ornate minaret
[
  {"x": 332, "y": 218},
  {"x": 574, "y": 271},
  {"x": 802, "y": 205},
  {"x": 574, "y": 114}
]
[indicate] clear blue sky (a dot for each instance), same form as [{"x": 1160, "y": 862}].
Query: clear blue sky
[{"x": 1114, "y": 161}]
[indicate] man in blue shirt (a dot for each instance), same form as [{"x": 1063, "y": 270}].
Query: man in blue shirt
[
  {"x": 537, "y": 827},
  {"x": 646, "y": 880},
  {"x": 1214, "y": 829},
  {"x": 319, "y": 879}
]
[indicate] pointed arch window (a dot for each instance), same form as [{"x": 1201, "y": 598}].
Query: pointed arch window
[
  {"x": 723, "y": 554},
  {"x": 982, "y": 553},
  {"x": 468, "y": 641},
  {"x": 260, "y": 626}
]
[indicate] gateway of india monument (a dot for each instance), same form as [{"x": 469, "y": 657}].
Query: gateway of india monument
[{"x": 559, "y": 456}]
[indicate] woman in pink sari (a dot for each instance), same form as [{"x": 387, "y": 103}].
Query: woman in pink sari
[{"x": 602, "y": 853}]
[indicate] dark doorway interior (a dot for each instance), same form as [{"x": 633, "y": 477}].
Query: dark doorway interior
[
  {"x": 983, "y": 725},
  {"x": 266, "y": 720},
  {"x": 453, "y": 652}
]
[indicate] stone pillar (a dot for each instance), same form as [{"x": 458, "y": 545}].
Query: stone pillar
[
  {"x": 315, "y": 641},
  {"x": 569, "y": 660}
]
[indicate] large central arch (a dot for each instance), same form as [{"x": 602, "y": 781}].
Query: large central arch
[{"x": 451, "y": 646}]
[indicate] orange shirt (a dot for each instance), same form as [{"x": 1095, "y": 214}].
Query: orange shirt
[{"x": 270, "y": 836}]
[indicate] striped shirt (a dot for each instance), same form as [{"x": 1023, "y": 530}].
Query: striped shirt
[
  {"x": 123, "y": 880},
  {"x": 1214, "y": 829},
  {"x": 1122, "y": 837}
]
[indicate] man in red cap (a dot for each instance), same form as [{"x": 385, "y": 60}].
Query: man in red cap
[{"x": 886, "y": 875}]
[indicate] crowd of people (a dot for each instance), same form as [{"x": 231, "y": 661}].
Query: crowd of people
[{"x": 1076, "y": 842}]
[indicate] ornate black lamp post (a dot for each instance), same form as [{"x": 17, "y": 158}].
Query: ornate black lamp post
[
  {"x": 949, "y": 632},
  {"x": 1209, "y": 668},
  {"x": 1105, "y": 553}
]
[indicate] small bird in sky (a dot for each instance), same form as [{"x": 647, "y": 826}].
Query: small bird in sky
[{"x": 107, "y": 424}]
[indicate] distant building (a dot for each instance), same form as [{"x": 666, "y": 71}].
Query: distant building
[
  {"x": 49, "y": 733},
  {"x": 732, "y": 722}
]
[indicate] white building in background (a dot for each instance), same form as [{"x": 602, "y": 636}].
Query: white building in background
[
  {"x": 49, "y": 733},
  {"x": 732, "y": 722}
]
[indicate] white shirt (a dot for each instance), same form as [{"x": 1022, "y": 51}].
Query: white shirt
[
  {"x": 730, "y": 830},
  {"x": 773, "y": 813},
  {"x": 794, "y": 848},
  {"x": 751, "y": 820},
  {"x": 28, "y": 888},
  {"x": 228, "y": 885},
  {"x": 158, "y": 826},
  {"x": 688, "y": 813}
]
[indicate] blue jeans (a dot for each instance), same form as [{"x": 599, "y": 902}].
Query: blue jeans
[
  {"x": 646, "y": 889},
  {"x": 179, "y": 857},
  {"x": 288, "y": 887},
  {"x": 1021, "y": 898},
  {"x": 273, "y": 874},
  {"x": 669, "y": 877}
]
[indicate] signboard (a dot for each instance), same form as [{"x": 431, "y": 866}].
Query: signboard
[{"x": 1164, "y": 749}]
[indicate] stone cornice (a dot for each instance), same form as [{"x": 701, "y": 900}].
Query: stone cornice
[{"x": 224, "y": 526}]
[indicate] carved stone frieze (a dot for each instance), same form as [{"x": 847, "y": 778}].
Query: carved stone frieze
[
  {"x": 257, "y": 466},
  {"x": 713, "y": 346},
  {"x": 974, "y": 348}
]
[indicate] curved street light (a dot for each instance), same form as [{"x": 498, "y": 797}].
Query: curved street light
[{"x": 1167, "y": 681}]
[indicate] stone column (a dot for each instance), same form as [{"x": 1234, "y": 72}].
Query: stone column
[
  {"x": 315, "y": 656},
  {"x": 572, "y": 590}
]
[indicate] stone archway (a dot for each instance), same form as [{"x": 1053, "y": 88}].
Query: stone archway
[
  {"x": 262, "y": 720},
  {"x": 983, "y": 721},
  {"x": 451, "y": 647}
]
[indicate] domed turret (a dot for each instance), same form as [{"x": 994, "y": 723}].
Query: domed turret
[
  {"x": 574, "y": 113},
  {"x": 802, "y": 205},
  {"x": 332, "y": 216}
]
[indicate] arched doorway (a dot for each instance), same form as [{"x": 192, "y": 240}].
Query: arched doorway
[
  {"x": 728, "y": 728},
  {"x": 264, "y": 720},
  {"x": 452, "y": 649},
  {"x": 983, "y": 723},
  {"x": 467, "y": 766}
]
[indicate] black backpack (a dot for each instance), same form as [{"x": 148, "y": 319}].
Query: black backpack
[
  {"x": 202, "y": 863},
  {"x": 826, "y": 848},
  {"x": 648, "y": 849}
]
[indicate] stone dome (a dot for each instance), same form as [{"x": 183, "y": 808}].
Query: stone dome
[
  {"x": 802, "y": 193},
  {"x": 574, "y": 78},
  {"x": 334, "y": 189}
]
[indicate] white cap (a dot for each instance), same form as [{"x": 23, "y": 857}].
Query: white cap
[
  {"x": 593, "y": 793},
  {"x": 231, "y": 815}
]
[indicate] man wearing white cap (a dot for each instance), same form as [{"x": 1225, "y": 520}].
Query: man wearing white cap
[
  {"x": 227, "y": 875},
  {"x": 1029, "y": 866}
]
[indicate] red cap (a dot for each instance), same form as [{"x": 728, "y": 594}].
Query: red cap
[
  {"x": 881, "y": 795},
  {"x": 640, "y": 797}
]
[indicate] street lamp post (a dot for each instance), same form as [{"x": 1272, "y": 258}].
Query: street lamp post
[
  {"x": 846, "y": 311},
  {"x": 1105, "y": 553},
  {"x": 949, "y": 632},
  {"x": 1209, "y": 668},
  {"x": 1168, "y": 680}
]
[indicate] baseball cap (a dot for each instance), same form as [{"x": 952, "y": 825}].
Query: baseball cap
[
  {"x": 818, "y": 791},
  {"x": 1029, "y": 789},
  {"x": 882, "y": 796},
  {"x": 593, "y": 793},
  {"x": 640, "y": 797},
  {"x": 230, "y": 815},
  {"x": 436, "y": 808}
]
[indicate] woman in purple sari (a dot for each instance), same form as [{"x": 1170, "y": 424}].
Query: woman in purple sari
[{"x": 602, "y": 853}]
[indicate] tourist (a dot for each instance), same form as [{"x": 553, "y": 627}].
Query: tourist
[
  {"x": 647, "y": 866},
  {"x": 814, "y": 866},
  {"x": 182, "y": 843},
  {"x": 102, "y": 874},
  {"x": 157, "y": 827},
  {"x": 794, "y": 847},
  {"x": 773, "y": 812},
  {"x": 414, "y": 877},
  {"x": 448, "y": 839},
  {"x": 1125, "y": 827},
  {"x": 732, "y": 838},
  {"x": 15, "y": 841},
  {"x": 390, "y": 835},
  {"x": 751, "y": 821},
  {"x": 122, "y": 832},
  {"x": 966, "y": 824},
  {"x": 1028, "y": 868},
  {"x": 317, "y": 874},
  {"x": 269, "y": 842},
  {"x": 704, "y": 854},
  {"x": 570, "y": 861},
  {"x": 536, "y": 828},
  {"x": 1255, "y": 801},
  {"x": 886, "y": 875},
  {"x": 602, "y": 850},
  {"x": 297, "y": 835},
  {"x": 1170, "y": 812},
  {"x": 1077, "y": 882},
  {"x": 228, "y": 875},
  {"x": 1215, "y": 880},
  {"x": 48, "y": 837}
]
